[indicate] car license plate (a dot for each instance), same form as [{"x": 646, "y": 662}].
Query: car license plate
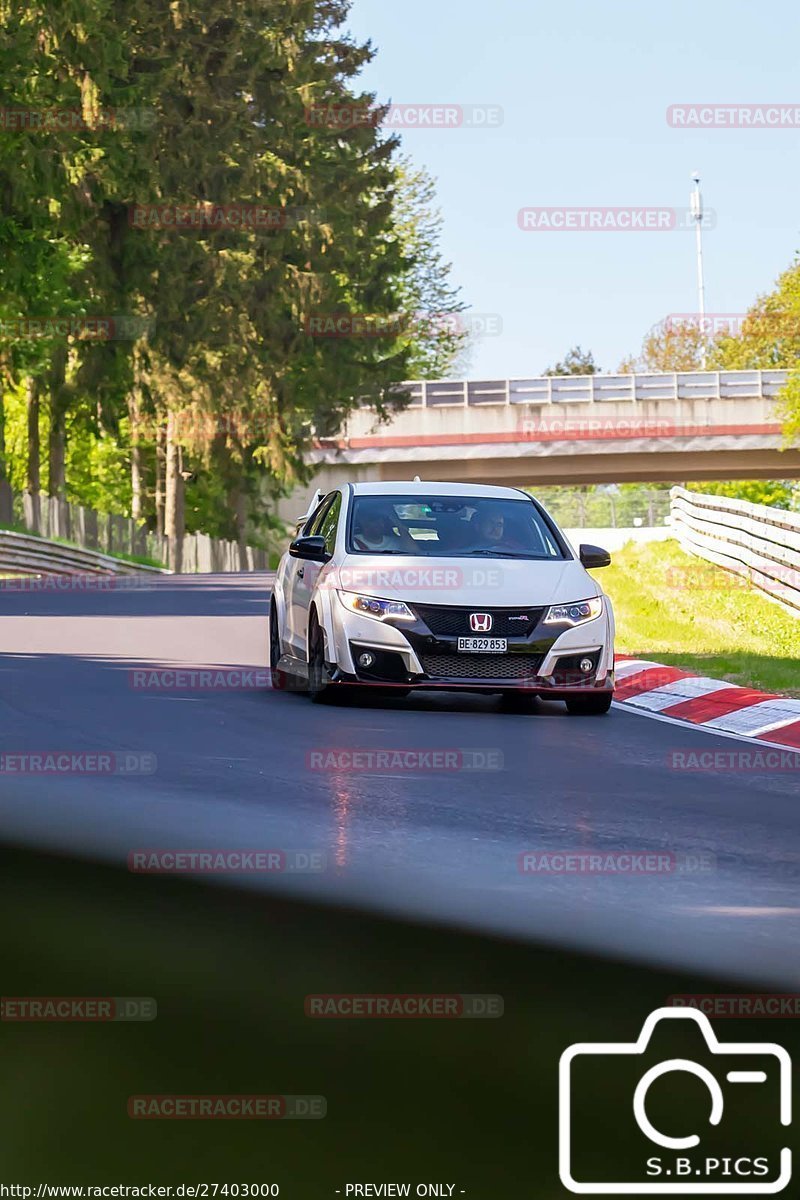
[{"x": 483, "y": 645}]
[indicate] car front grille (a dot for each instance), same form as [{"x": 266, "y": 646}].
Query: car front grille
[
  {"x": 481, "y": 666},
  {"x": 447, "y": 621}
]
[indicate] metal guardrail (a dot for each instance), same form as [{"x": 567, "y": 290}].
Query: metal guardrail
[
  {"x": 107, "y": 534},
  {"x": 594, "y": 389},
  {"x": 760, "y": 543},
  {"x": 22, "y": 554}
]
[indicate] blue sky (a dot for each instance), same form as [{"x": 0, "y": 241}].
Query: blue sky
[{"x": 584, "y": 89}]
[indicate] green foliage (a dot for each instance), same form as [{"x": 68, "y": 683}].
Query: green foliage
[
  {"x": 215, "y": 99},
  {"x": 778, "y": 493},
  {"x": 681, "y": 610},
  {"x": 437, "y": 335},
  {"x": 770, "y": 333},
  {"x": 598, "y": 505},
  {"x": 97, "y": 467},
  {"x": 668, "y": 347},
  {"x": 575, "y": 362},
  {"x": 770, "y": 338},
  {"x": 16, "y": 435}
]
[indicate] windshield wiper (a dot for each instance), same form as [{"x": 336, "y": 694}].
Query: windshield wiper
[{"x": 502, "y": 554}]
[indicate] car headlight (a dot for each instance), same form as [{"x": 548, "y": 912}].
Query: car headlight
[
  {"x": 370, "y": 606},
  {"x": 574, "y": 614}
]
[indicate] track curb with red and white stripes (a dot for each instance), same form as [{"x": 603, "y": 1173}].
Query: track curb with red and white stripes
[{"x": 724, "y": 708}]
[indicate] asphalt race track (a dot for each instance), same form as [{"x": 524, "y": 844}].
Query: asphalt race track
[{"x": 239, "y": 768}]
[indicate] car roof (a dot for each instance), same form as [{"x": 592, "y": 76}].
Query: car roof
[{"x": 404, "y": 487}]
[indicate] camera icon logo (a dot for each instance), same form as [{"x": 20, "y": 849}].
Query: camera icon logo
[{"x": 717, "y": 1149}]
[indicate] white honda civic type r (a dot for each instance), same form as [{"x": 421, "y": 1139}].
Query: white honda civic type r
[{"x": 395, "y": 586}]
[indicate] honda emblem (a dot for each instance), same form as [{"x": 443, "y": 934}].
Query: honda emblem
[{"x": 480, "y": 622}]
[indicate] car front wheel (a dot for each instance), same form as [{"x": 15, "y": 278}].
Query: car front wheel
[{"x": 319, "y": 684}]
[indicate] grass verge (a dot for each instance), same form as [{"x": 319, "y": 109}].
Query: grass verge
[{"x": 685, "y": 612}]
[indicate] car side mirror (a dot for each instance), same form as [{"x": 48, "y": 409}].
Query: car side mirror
[
  {"x": 310, "y": 548},
  {"x": 593, "y": 557}
]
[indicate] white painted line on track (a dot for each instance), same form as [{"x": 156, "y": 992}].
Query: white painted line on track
[
  {"x": 624, "y": 706},
  {"x": 754, "y": 717},
  {"x": 726, "y": 910},
  {"x": 633, "y": 666},
  {"x": 694, "y": 687},
  {"x": 776, "y": 724}
]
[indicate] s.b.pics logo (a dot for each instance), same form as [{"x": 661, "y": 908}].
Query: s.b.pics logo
[{"x": 679, "y": 1111}]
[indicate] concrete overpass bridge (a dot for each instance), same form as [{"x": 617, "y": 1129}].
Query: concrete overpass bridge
[{"x": 568, "y": 429}]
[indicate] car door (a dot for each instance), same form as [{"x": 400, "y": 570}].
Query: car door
[
  {"x": 295, "y": 585},
  {"x": 324, "y": 523}
]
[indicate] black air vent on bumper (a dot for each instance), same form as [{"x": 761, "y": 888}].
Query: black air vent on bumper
[{"x": 465, "y": 667}]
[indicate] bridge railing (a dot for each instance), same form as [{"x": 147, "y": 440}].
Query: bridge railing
[
  {"x": 594, "y": 389},
  {"x": 759, "y": 543}
]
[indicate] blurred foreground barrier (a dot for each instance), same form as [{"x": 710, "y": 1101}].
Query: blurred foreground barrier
[
  {"x": 758, "y": 542},
  {"x": 211, "y": 990}
]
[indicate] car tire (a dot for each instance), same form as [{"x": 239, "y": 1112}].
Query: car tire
[
  {"x": 319, "y": 685},
  {"x": 589, "y": 706},
  {"x": 278, "y": 678}
]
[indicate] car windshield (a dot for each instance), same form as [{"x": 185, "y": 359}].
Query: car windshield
[{"x": 450, "y": 526}]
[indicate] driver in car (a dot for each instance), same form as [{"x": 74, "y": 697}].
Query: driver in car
[{"x": 489, "y": 527}]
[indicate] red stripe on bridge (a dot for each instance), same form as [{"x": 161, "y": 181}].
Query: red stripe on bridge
[{"x": 549, "y": 435}]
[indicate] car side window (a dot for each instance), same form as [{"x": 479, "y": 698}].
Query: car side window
[
  {"x": 313, "y": 524},
  {"x": 330, "y": 522}
]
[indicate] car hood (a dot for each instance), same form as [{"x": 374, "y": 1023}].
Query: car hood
[{"x": 478, "y": 582}]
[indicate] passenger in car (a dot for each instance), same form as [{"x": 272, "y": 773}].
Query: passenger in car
[{"x": 376, "y": 532}]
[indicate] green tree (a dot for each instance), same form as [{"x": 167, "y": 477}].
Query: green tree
[
  {"x": 437, "y": 335},
  {"x": 770, "y": 338},
  {"x": 212, "y": 411},
  {"x": 777, "y": 493},
  {"x": 668, "y": 347},
  {"x": 575, "y": 362}
]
